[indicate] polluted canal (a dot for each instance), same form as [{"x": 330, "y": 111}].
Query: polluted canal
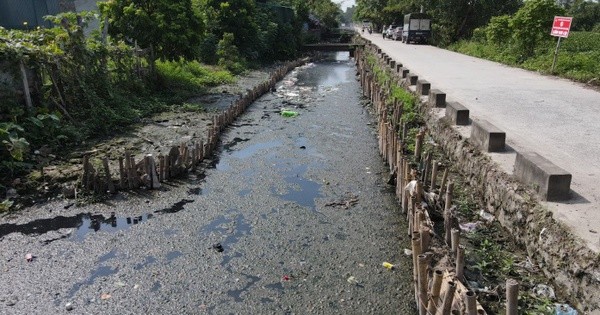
[{"x": 293, "y": 216}]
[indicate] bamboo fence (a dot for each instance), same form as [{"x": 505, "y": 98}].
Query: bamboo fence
[
  {"x": 438, "y": 290},
  {"x": 150, "y": 171}
]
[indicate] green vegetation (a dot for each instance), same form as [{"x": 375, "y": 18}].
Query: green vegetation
[
  {"x": 523, "y": 40},
  {"x": 145, "y": 58},
  {"x": 513, "y": 32}
]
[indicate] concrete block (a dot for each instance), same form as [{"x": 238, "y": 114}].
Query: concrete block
[
  {"x": 487, "y": 136},
  {"x": 550, "y": 181},
  {"x": 457, "y": 113},
  {"x": 437, "y": 98},
  {"x": 393, "y": 64},
  {"x": 423, "y": 87},
  {"x": 398, "y": 67},
  {"x": 412, "y": 79},
  {"x": 379, "y": 50},
  {"x": 404, "y": 72}
]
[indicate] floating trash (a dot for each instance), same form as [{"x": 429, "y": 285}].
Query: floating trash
[{"x": 288, "y": 113}]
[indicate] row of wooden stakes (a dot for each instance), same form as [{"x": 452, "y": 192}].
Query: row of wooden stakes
[
  {"x": 149, "y": 171},
  {"x": 438, "y": 291}
]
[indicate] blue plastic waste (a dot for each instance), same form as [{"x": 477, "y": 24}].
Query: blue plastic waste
[{"x": 565, "y": 309}]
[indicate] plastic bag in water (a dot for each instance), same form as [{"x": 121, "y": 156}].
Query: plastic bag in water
[{"x": 565, "y": 309}]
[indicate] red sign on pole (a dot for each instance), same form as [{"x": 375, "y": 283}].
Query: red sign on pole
[{"x": 561, "y": 26}]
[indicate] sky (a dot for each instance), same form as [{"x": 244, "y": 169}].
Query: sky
[{"x": 345, "y": 3}]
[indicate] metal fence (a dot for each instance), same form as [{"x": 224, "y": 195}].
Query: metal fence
[{"x": 27, "y": 14}]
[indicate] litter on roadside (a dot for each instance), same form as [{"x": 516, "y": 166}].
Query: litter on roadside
[
  {"x": 388, "y": 265},
  {"x": 407, "y": 252}
]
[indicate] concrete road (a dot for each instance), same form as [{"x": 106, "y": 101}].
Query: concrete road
[{"x": 556, "y": 118}]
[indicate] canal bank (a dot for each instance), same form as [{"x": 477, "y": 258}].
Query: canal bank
[{"x": 565, "y": 260}]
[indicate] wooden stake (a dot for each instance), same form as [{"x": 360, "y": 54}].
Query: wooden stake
[
  {"x": 425, "y": 238},
  {"x": 444, "y": 179},
  {"x": 128, "y": 169},
  {"x": 448, "y": 298},
  {"x": 161, "y": 167},
  {"x": 109, "y": 182},
  {"x": 447, "y": 215},
  {"x": 512, "y": 295},
  {"x": 434, "y": 172},
  {"x": 419, "y": 146},
  {"x": 436, "y": 285},
  {"x": 455, "y": 239},
  {"x": 460, "y": 263},
  {"x": 122, "y": 175},
  {"x": 423, "y": 261},
  {"x": 471, "y": 303},
  {"x": 28, "y": 101}
]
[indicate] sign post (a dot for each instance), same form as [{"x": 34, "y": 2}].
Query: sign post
[{"x": 560, "y": 28}]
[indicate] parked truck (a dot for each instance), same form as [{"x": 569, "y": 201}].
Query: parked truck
[{"x": 417, "y": 28}]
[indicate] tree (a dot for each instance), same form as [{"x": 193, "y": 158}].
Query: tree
[
  {"x": 532, "y": 23},
  {"x": 170, "y": 29},
  {"x": 235, "y": 17},
  {"x": 586, "y": 15}
]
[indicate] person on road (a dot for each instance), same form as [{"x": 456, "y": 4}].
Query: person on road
[{"x": 383, "y": 31}]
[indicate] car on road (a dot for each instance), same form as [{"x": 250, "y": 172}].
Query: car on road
[
  {"x": 397, "y": 33},
  {"x": 389, "y": 31}
]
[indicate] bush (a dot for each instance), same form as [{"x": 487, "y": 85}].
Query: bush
[
  {"x": 191, "y": 74},
  {"x": 228, "y": 54},
  {"x": 531, "y": 25},
  {"x": 498, "y": 31}
]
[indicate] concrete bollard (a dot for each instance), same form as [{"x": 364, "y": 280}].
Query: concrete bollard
[{"x": 437, "y": 98}]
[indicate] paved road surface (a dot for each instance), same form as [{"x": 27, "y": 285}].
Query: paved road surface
[{"x": 556, "y": 118}]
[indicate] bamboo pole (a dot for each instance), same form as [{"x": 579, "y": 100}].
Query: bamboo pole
[
  {"x": 447, "y": 214},
  {"x": 26, "y": 91},
  {"x": 161, "y": 167},
  {"x": 416, "y": 251},
  {"x": 436, "y": 286},
  {"x": 128, "y": 167},
  {"x": 444, "y": 179},
  {"x": 512, "y": 295},
  {"x": 419, "y": 192},
  {"x": 434, "y": 172},
  {"x": 455, "y": 239},
  {"x": 425, "y": 238},
  {"x": 471, "y": 303},
  {"x": 122, "y": 175},
  {"x": 109, "y": 183},
  {"x": 85, "y": 180},
  {"x": 460, "y": 263},
  {"x": 426, "y": 168},
  {"x": 448, "y": 298},
  {"x": 419, "y": 146},
  {"x": 423, "y": 261}
]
